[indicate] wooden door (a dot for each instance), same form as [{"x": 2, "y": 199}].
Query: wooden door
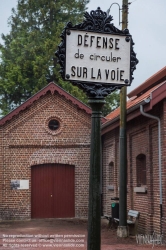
[{"x": 52, "y": 191}]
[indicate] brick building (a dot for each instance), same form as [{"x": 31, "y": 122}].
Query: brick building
[
  {"x": 46, "y": 137},
  {"x": 45, "y": 151},
  {"x": 144, "y": 192}
]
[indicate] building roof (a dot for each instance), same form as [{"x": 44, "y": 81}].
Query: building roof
[
  {"x": 149, "y": 83},
  {"x": 51, "y": 87},
  {"x": 152, "y": 90}
]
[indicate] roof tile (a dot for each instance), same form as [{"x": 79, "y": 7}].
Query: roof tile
[{"x": 134, "y": 101}]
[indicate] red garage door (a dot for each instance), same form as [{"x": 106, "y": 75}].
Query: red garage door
[{"x": 52, "y": 191}]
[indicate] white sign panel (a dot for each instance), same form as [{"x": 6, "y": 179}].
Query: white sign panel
[
  {"x": 98, "y": 57},
  {"x": 19, "y": 184}
]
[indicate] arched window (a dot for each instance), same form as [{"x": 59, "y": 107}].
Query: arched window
[
  {"x": 111, "y": 173},
  {"x": 141, "y": 170}
]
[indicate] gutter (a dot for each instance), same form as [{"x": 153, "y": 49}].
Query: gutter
[
  {"x": 107, "y": 123},
  {"x": 156, "y": 95},
  {"x": 159, "y": 152}
]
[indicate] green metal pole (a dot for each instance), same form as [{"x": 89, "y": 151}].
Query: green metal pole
[
  {"x": 122, "y": 228},
  {"x": 94, "y": 215}
]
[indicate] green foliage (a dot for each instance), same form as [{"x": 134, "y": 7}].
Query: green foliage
[
  {"x": 27, "y": 57},
  {"x": 112, "y": 102}
]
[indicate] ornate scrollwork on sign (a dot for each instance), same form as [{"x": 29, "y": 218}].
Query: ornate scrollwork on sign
[
  {"x": 96, "y": 21},
  {"x": 95, "y": 90},
  {"x": 99, "y": 21}
]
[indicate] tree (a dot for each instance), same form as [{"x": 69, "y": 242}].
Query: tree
[
  {"x": 112, "y": 102},
  {"x": 27, "y": 57}
]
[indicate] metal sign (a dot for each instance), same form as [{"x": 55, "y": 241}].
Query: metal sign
[
  {"x": 19, "y": 184},
  {"x": 96, "y": 56}
]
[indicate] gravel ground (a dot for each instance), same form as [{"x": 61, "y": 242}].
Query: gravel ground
[{"x": 61, "y": 234}]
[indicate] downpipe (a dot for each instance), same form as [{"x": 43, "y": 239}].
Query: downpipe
[{"x": 159, "y": 150}]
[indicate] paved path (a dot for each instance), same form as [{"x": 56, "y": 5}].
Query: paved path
[{"x": 60, "y": 234}]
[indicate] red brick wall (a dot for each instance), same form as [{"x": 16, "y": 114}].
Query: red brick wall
[
  {"x": 142, "y": 138},
  {"x": 138, "y": 146},
  {"x": 1, "y": 163},
  {"x": 27, "y": 141},
  {"x": 164, "y": 168},
  {"x": 110, "y": 154}
]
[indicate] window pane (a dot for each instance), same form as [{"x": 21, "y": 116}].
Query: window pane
[{"x": 53, "y": 124}]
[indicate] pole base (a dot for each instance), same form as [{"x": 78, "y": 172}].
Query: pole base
[{"x": 122, "y": 231}]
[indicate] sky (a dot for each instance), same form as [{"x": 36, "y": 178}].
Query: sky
[{"x": 146, "y": 24}]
